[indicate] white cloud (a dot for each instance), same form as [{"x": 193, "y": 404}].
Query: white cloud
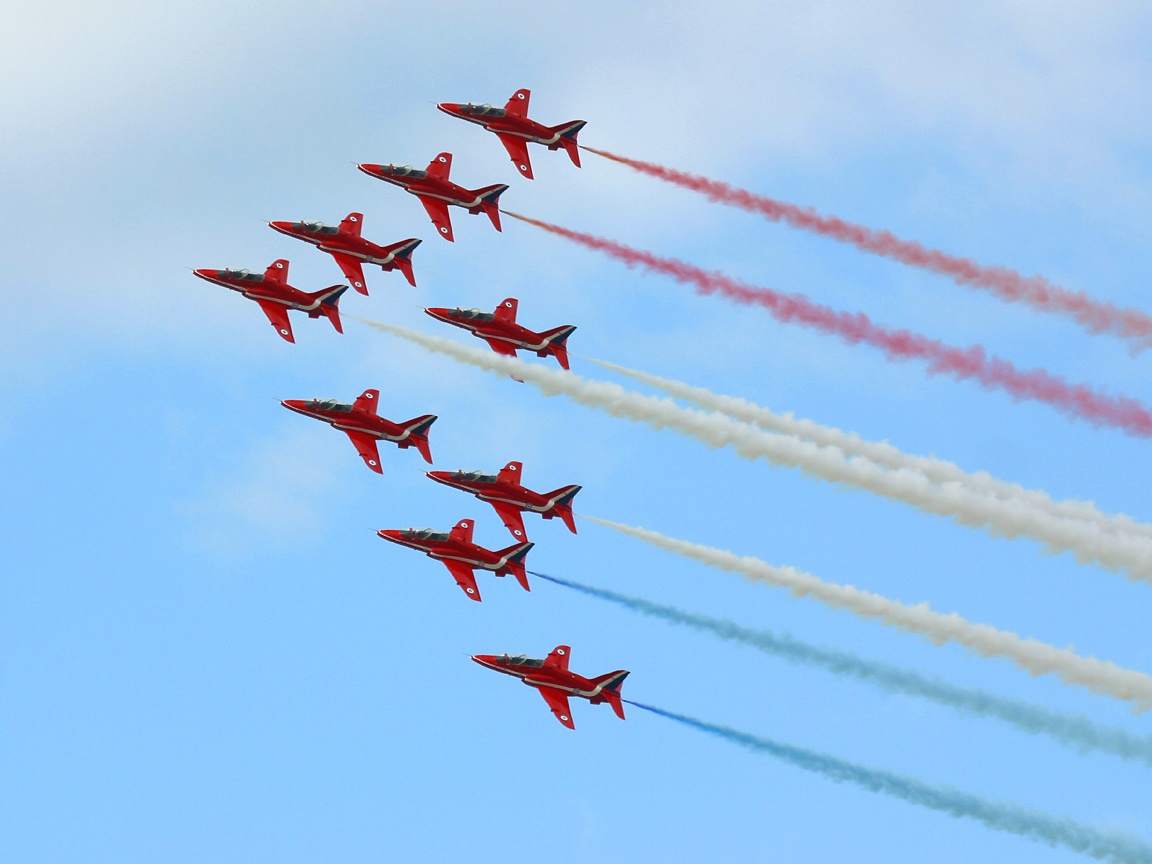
[{"x": 275, "y": 496}]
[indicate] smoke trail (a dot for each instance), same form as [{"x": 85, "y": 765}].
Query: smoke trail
[
  {"x": 1037, "y": 658},
  {"x": 936, "y": 470},
  {"x": 1003, "y": 518},
  {"x": 1054, "y": 830},
  {"x": 1036, "y": 291},
  {"x": 1074, "y": 400},
  {"x": 1075, "y": 731}
]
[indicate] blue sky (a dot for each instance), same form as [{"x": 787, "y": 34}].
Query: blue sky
[{"x": 206, "y": 654}]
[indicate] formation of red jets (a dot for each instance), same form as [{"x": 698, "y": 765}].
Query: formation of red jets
[{"x": 361, "y": 420}]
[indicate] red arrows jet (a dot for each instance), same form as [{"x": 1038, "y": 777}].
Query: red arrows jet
[
  {"x": 504, "y": 492},
  {"x": 500, "y": 330},
  {"x": 276, "y": 296},
  {"x": 436, "y": 191},
  {"x": 515, "y": 130},
  {"x": 345, "y": 244},
  {"x": 555, "y": 683},
  {"x": 461, "y": 556},
  {"x": 362, "y": 424}
]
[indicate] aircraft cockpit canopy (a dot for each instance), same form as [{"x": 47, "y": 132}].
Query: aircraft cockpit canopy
[
  {"x": 246, "y": 275},
  {"x": 521, "y": 660},
  {"x": 474, "y": 476},
  {"x": 423, "y": 534},
  {"x": 475, "y": 315},
  {"x": 317, "y": 228},
  {"x": 330, "y": 405},
  {"x": 484, "y": 109},
  {"x": 408, "y": 171}
]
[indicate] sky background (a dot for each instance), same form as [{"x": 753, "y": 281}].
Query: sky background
[{"x": 205, "y": 652}]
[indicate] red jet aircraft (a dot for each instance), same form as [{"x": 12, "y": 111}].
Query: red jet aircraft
[
  {"x": 515, "y": 130},
  {"x": 362, "y": 424},
  {"x": 504, "y": 492},
  {"x": 436, "y": 191},
  {"x": 500, "y": 330},
  {"x": 276, "y": 296},
  {"x": 555, "y": 683},
  {"x": 461, "y": 556},
  {"x": 349, "y": 249}
]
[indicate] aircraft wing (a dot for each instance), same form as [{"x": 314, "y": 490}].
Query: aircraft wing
[
  {"x": 464, "y": 577},
  {"x": 366, "y": 446},
  {"x": 352, "y": 270},
  {"x": 505, "y": 348},
  {"x": 502, "y": 347},
  {"x": 438, "y": 213},
  {"x": 517, "y": 148},
  {"x": 512, "y": 517},
  {"x": 558, "y": 701},
  {"x": 278, "y": 315}
]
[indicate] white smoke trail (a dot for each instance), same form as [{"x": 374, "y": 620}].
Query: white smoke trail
[
  {"x": 936, "y": 470},
  {"x": 1037, "y": 658},
  {"x": 1100, "y": 843},
  {"x": 1073, "y": 730},
  {"x": 997, "y": 516}
]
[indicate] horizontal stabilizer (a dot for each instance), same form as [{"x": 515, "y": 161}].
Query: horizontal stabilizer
[
  {"x": 567, "y": 140},
  {"x": 330, "y": 305},
  {"x": 489, "y": 200},
  {"x": 556, "y": 340},
  {"x": 417, "y": 429},
  {"x": 562, "y": 505},
  {"x": 514, "y": 562},
  {"x": 403, "y": 259}
]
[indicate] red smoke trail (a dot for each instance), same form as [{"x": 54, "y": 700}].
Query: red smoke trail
[
  {"x": 1076, "y": 400},
  {"x": 1095, "y": 315}
]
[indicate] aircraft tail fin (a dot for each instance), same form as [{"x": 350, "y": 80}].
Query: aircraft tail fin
[
  {"x": 490, "y": 201},
  {"x": 563, "y": 505},
  {"x": 556, "y": 343},
  {"x": 403, "y": 260},
  {"x": 417, "y": 429},
  {"x": 515, "y": 562},
  {"x": 329, "y": 305},
  {"x": 567, "y": 140},
  {"x": 610, "y": 691}
]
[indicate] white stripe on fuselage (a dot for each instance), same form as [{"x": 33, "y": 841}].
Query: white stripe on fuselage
[
  {"x": 526, "y": 136},
  {"x": 523, "y": 676},
  {"x": 362, "y": 256},
  {"x": 519, "y": 343},
  {"x": 458, "y": 202},
  {"x": 303, "y": 307},
  {"x": 383, "y": 436}
]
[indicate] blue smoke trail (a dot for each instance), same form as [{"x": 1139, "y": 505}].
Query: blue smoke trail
[
  {"x": 1075, "y": 731},
  {"x": 1053, "y": 830}
]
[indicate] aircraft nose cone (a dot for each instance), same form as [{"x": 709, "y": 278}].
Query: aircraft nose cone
[
  {"x": 438, "y": 312},
  {"x": 482, "y": 659},
  {"x": 203, "y": 273},
  {"x": 449, "y": 107},
  {"x": 292, "y": 404},
  {"x": 371, "y": 169},
  {"x": 282, "y": 227}
]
